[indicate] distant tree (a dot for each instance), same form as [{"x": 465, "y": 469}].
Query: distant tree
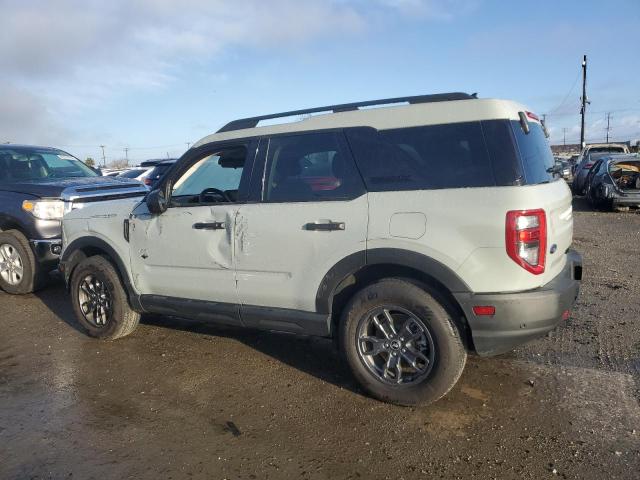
[
  {"x": 90, "y": 162},
  {"x": 117, "y": 164}
]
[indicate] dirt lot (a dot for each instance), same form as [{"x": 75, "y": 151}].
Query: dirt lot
[{"x": 184, "y": 400}]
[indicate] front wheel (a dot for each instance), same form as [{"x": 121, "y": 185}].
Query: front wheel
[
  {"x": 100, "y": 301},
  {"x": 20, "y": 273},
  {"x": 401, "y": 343}
]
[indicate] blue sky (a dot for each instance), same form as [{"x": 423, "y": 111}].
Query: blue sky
[{"x": 152, "y": 75}]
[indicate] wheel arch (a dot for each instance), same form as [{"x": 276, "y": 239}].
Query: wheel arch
[
  {"x": 86, "y": 247},
  {"x": 361, "y": 269}
]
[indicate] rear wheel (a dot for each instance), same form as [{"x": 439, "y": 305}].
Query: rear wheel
[
  {"x": 100, "y": 301},
  {"x": 401, "y": 343},
  {"x": 20, "y": 273}
]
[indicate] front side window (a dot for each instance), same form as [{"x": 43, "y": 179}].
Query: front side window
[
  {"x": 40, "y": 165},
  {"x": 310, "y": 167},
  {"x": 214, "y": 178}
]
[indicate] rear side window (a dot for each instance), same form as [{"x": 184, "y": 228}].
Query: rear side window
[
  {"x": 458, "y": 155},
  {"x": 310, "y": 167},
  {"x": 535, "y": 153}
]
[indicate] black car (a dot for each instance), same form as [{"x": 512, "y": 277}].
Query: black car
[
  {"x": 154, "y": 177},
  {"x": 38, "y": 185},
  {"x": 614, "y": 182}
]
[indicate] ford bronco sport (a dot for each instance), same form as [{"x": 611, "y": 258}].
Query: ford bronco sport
[{"x": 412, "y": 234}]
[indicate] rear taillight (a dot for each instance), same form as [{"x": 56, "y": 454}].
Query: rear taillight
[
  {"x": 587, "y": 166},
  {"x": 526, "y": 239},
  {"x": 148, "y": 181}
]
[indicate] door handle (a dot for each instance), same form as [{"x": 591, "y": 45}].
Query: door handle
[
  {"x": 209, "y": 226},
  {"x": 324, "y": 226}
]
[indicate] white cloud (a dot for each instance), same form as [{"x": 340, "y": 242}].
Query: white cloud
[{"x": 67, "y": 56}]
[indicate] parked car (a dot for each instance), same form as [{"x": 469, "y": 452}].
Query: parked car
[
  {"x": 564, "y": 168},
  {"x": 153, "y": 177},
  {"x": 587, "y": 158},
  {"x": 614, "y": 182},
  {"x": 136, "y": 173},
  {"x": 155, "y": 161},
  {"x": 579, "y": 184},
  {"x": 37, "y": 186},
  {"x": 412, "y": 234}
]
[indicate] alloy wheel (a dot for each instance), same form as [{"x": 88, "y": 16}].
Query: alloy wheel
[
  {"x": 95, "y": 301},
  {"x": 11, "y": 266},
  {"x": 395, "y": 345}
]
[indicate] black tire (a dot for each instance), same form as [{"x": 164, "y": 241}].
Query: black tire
[
  {"x": 449, "y": 353},
  {"x": 33, "y": 276},
  {"x": 120, "y": 319}
]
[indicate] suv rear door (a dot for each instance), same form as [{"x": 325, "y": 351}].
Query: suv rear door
[{"x": 309, "y": 212}]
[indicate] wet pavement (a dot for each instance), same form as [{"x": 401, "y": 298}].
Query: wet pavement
[{"x": 179, "y": 399}]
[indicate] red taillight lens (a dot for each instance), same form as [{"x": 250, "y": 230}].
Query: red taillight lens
[
  {"x": 148, "y": 181},
  {"x": 588, "y": 165},
  {"x": 484, "y": 310},
  {"x": 526, "y": 239}
]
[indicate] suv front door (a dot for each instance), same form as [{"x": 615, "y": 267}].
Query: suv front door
[
  {"x": 187, "y": 252},
  {"x": 310, "y": 213}
]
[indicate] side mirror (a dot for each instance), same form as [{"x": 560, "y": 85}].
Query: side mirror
[{"x": 156, "y": 201}]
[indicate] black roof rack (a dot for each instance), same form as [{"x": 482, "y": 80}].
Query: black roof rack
[{"x": 251, "y": 122}]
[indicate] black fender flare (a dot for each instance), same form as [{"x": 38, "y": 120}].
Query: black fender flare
[
  {"x": 74, "y": 253},
  {"x": 351, "y": 264}
]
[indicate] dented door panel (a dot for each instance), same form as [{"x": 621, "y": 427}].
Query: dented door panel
[{"x": 172, "y": 257}]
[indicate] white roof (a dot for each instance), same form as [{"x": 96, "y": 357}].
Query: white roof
[{"x": 385, "y": 118}]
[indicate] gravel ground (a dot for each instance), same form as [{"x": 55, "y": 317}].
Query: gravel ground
[{"x": 179, "y": 399}]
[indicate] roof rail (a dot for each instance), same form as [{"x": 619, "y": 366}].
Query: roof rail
[{"x": 252, "y": 122}]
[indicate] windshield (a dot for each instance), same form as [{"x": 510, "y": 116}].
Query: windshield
[{"x": 21, "y": 164}]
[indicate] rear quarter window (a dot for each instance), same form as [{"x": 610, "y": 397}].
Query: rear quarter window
[{"x": 457, "y": 155}]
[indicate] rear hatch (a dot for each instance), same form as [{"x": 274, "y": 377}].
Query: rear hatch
[{"x": 546, "y": 191}]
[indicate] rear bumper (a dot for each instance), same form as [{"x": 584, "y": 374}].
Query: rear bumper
[
  {"x": 522, "y": 316},
  {"x": 626, "y": 200}
]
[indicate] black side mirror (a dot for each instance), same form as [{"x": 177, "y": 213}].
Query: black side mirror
[{"x": 156, "y": 201}]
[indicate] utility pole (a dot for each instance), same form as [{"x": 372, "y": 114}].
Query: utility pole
[
  {"x": 104, "y": 159},
  {"x": 608, "y": 125},
  {"x": 564, "y": 136},
  {"x": 126, "y": 154},
  {"x": 584, "y": 101}
]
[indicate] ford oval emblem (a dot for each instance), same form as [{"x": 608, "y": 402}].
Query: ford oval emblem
[{"x": 553, "y": 249}]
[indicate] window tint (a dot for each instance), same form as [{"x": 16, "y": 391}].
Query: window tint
[
  {"x": 212, "y": 179},
  {"x": 535, "y": 153},
  {"x": 310, "y": 167},
  {"x": 437, "y": 156}
]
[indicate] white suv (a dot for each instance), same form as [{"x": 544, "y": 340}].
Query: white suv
[{"x": 413, "y": 234}]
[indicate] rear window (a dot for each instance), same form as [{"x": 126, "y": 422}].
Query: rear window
[
  {"x": 535, "y": 153},
  {"x": 458, "y": 155}
]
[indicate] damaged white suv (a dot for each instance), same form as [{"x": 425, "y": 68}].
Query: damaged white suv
[{"x": 413, "y": 234}]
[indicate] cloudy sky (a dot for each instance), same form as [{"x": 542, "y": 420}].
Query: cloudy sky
[{"x": 152, "y": 75}]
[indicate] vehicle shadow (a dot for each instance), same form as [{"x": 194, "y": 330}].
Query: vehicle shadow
[
  {"x": 580, "y": 204},
  {"x": 312, "y": 355}
]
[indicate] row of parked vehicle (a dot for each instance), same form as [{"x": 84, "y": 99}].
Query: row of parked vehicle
[
  {"x": 148, "y": 172},
  {"x": 608, "y": 176},
  {"x": 412, "y": 234}
]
